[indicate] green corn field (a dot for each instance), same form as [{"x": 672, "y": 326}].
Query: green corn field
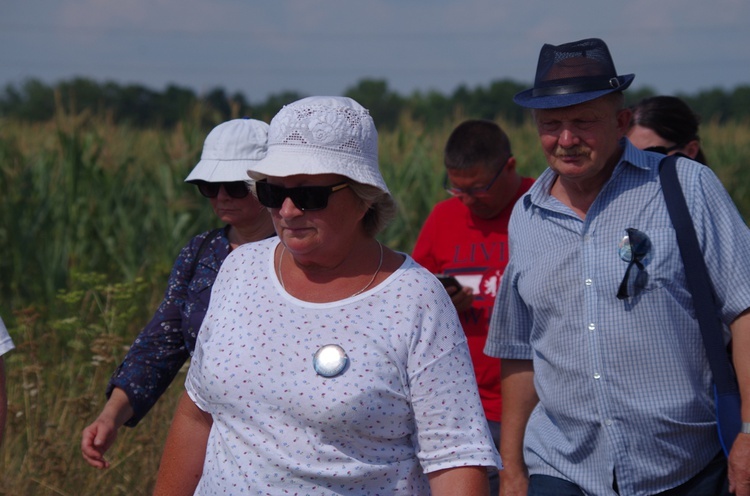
[{"x": 92, "y": 216}]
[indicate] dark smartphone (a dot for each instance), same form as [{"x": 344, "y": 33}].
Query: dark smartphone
[{"x": 449, "y": 281}]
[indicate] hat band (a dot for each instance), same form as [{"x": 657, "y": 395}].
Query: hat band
[{"x": 566, "y": 89}]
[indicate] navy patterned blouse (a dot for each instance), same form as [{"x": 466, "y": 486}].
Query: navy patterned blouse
[{"x": 168, "y": 339}]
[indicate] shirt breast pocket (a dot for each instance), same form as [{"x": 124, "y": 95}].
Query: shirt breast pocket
[
  {"x": 662, "y": 263},
  {"x": 200, "y": 283},
  {"x": 203, "y": 279}
]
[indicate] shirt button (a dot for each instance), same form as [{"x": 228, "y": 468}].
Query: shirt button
[
  {"x": 608, "y": 422},
  {"x": 589, "y": 282},
  {"x": 592, "y": 327},
  {"x": 597, "y": 375}
]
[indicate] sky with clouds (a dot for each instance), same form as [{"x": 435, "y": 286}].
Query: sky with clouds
[{"x": 262, "y": 47}]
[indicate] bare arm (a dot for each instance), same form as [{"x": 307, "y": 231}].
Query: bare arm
[
  {"x": 99, "y": 436},
  {"x": 739, "y": 457},
  {"x": 459, "y": 481},
  {"x": 519, "y": 399},
  {"x": 185, "y": 450},
  {"x": 3, "y": 400}
]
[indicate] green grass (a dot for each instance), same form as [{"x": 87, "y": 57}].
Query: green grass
[{"x": 92, "y": 216}]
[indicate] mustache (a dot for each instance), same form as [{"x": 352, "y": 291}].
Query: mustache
[{"x": 576, "y": 151}]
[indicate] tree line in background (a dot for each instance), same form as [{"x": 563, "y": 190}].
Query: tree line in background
[{"x": 141, "y": 107}]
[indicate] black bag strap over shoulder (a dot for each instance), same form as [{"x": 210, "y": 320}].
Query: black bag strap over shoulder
[{"x": 704, "y": 299}]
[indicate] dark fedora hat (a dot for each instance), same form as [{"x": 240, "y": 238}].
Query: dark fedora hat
[{"x": 573, "y": 73}]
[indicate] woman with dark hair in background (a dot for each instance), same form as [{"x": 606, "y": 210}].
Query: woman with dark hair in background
[{"x": 666, "y": 124}]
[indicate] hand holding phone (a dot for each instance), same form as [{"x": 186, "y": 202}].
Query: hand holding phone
[{"x": 449, "y": 281}]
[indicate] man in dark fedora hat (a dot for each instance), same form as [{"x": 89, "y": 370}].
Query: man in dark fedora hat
[{"x": 606, "y": 385}]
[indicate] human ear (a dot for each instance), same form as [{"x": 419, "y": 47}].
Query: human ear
[
  {"x": 691, "y": 149},
  {"x": 623, "y": 121}
]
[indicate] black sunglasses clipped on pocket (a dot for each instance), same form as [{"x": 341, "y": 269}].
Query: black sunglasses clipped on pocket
[{"x": 639, "y": 246}]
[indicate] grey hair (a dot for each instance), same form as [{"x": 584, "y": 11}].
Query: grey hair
[{"x": 382, "y": 207}]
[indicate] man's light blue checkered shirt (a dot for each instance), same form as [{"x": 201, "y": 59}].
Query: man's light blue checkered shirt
[{"x": 624, "y": 385}]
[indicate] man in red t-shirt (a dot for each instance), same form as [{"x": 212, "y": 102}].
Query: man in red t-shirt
[{"x": 466, "y": 237}]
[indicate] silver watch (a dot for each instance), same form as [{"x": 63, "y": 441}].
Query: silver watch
[{"x": 745, "y": 428}]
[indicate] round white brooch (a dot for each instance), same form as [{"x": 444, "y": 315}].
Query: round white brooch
[{"x": 330, "y": 360}]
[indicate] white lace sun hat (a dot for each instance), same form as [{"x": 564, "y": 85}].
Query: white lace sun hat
[
  {"x": 322, "y": 135},
  {"x": 229, "y": 150}
]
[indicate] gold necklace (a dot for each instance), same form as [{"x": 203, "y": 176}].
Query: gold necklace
[{"x": 372, "y": 279}]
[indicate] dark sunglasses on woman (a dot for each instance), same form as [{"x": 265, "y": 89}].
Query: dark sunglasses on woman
[
  {"x": 235, "y": 189},
  {"x": 664, "y": 150},
  {"x": 303, "y": 197}
]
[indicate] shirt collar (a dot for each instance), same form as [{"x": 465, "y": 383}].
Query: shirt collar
[{"x": 634, "y": 156}]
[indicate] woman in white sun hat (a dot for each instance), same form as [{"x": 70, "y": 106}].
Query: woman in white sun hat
[
  {"x": 168, "y": 339},
  {"x": 327, "y": 363}
]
